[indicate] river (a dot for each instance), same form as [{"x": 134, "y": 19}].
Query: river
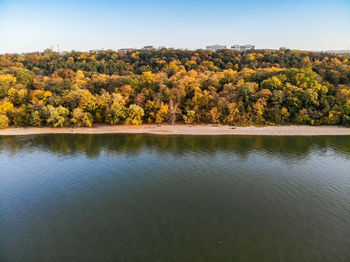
[{"x": 174, "y": 198}]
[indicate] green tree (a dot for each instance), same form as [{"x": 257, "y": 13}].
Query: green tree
[
  {"x": 57, "y": 116},
  {"x": 134, "y": 115},
  {"x": 116, "y": 114},
  {"x": 81, "y": 118}
]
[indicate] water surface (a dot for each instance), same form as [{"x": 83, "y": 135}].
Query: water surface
[{"x": 174, "y": 198}]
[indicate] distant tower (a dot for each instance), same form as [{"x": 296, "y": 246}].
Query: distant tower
[{"x": 58, "y": 48}]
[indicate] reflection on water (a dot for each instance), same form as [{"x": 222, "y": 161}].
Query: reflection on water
[
  {"x": 93, "y": 145},
  {"x": 174, "y": 198}
]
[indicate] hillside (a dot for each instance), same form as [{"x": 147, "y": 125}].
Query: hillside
[{"x": 225, "y": 87}]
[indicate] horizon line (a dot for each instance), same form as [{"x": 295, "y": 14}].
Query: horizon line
[{"x": 173, "y": 48}]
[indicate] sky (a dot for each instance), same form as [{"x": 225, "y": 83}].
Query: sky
[{"x": 36, "y": 25}]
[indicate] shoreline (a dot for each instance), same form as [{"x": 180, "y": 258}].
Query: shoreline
[{"x": 181, "y": 129}]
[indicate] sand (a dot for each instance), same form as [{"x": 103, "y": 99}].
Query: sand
[{"x": 185, "y": 130}]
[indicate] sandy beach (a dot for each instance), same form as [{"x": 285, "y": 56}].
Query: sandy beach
[{"x": 184, "y": 130}]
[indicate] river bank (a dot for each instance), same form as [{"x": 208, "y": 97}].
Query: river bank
[{"x": 292, "y": 130}]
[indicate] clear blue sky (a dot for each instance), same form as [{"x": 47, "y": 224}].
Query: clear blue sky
[{"x": 84, "y": 25}]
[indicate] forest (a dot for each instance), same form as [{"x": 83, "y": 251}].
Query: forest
[{"x": 259, "y": 87}]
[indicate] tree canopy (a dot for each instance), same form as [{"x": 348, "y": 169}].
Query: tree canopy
[{"x": 261, "y": 87}]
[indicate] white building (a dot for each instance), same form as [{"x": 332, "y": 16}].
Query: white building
[
  {"x": 242, "y": 48},
  {"x": 216, "y": 47},
  {"x": 148, "y": 47},
  {"x": 125, "y": 50}
]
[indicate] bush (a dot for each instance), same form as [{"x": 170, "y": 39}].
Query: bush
[
  {"x": 115, "y": 114},
  {"x": 4, "y": 121},
  {"x": 135, "y": 114},
  {"x": 81, "y": 118},
  {"x": 189, "y": 118},
  {"x": 58, "y": 116}
]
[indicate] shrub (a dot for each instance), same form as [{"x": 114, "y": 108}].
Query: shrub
[{"x": 4, "y": 121}]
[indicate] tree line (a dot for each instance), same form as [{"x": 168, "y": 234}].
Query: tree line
[{"x": 260, "y": 87}]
